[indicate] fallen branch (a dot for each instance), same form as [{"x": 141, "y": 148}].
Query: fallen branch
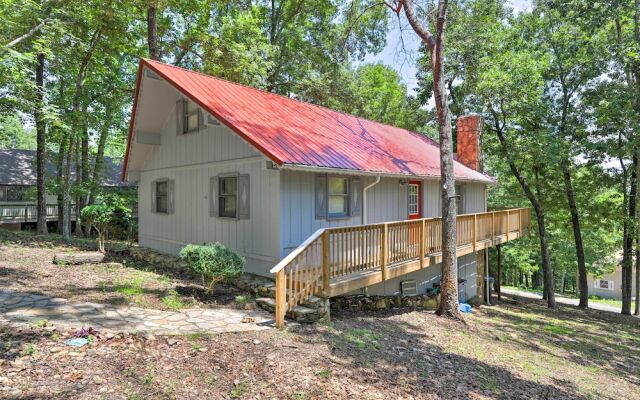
[{"x": 94, "y": 257}]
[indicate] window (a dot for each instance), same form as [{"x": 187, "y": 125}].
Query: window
[
  {"x": 413, "y": 196},
  {"x": 162, "y": 197},
  {"x": 190, "y": 117},
  {"x": 603, "y": 284},
  {"x": 338, "y": 197},
  {"x": 228, "y": 196},
  {"x": 15, "y": 193}
]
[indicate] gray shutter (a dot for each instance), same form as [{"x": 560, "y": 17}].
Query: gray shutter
[
  {"x": 153, "y": 196},
  {"x": 243, "y": 197},
  {"x": 180, "y": 109},
  {"x": 213, "y": 196},
  {"x": 320, "y": 195},
  {"x": 355, "y": 197},
  {"x": 171, "y": 195},
  {"x": 201, "y": 124}
]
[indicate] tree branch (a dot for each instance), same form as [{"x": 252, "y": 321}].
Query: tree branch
[{"x": 27, "y": 35}]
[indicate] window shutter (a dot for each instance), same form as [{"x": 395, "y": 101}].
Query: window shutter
[
  {"x": 201, "y": 124},
  {"x": 213, "y": 196},
  {"x": 320, "y": 196},
  {"x": 355, "y": 197},
  {"x": 171, "y": 195},
  {"x": 153, "y": 196},
  {"x": 180, "y": 108},
  {"x": 243, "y": 197}
]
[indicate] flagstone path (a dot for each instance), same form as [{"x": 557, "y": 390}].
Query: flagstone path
[{"x": 29, "y": 308}]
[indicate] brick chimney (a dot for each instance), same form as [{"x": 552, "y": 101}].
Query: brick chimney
[{"x": 469, "y": 141}]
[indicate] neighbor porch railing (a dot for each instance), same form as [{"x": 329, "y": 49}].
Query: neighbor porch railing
[
  {"x": 16, "y": 213},
  {"x": 332, "y": 253}
]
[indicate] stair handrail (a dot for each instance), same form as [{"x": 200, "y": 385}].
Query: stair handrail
[{"x": 295, "y": 253}]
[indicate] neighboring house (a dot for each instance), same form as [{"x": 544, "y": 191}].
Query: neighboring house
[
  {"x": 268, "y": 175},
  {"x": 18, "y": 187},
  {"x": 609, "y": 285}
]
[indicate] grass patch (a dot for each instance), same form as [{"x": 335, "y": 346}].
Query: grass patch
[
  {"x": 131, "y": 287},
  {"x": 173, "y": 301},
  {"x": 558, "y": 329},
  {"x": 363, "y": 338},
  {"x": 324, "y": 373}
]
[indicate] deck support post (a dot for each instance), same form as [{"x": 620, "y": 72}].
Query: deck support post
[
  {"x": 520, "y": 222},
  {"x": 384, "y": 251},
  {"x": 508, "y": 225},
  {"x": 326, "y": 278},
  {"x": 423, "y": 238},
  {"x": 499, "y": 277},
  {"x": 493, "y": 229},
  {"x": 281, "y": 292},
  {"x": 475, "y": 231}
]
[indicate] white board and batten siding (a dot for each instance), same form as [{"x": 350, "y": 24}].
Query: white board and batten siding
[
  {"x": 386, "y": 201},
  {"x": 190, "y": 160}
]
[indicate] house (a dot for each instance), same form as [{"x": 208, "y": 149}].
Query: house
[
  {"x": 18, "y": 187},
  {"x": 327, "y": 203},
  {"x": 609, "y": 284}
]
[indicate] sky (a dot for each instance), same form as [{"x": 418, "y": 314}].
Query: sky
[{"x": 402, "y": 46}]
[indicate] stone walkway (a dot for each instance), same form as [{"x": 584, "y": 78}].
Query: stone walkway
[{"x": 29, "y": 308}]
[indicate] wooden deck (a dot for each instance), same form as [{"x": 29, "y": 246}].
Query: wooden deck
[
  {"x": 19, "y": 213},
  {"x": 335, "y": 261}
]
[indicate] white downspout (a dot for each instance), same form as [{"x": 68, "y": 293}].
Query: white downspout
[{"x": 364, "y": 199}]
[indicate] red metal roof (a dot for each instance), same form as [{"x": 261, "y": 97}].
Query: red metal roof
[{"x": 291, "y": 132}]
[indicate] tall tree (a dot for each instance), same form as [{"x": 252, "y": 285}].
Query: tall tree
[
  {"x": 449, "y": 283},
  {"x": 575, "y": 60},
  {"x": 41, "y": 202}
]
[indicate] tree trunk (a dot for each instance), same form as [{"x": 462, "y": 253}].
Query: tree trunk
[
  {"x": 99, "y": 160},
  {"x": 78, "y": 182},
  {"x": 77, "y": 111},
  {"x": 449, "y": 283},
  {"x": 152, "y": 32},
  {"x": 59, "y": 180},
  {"x": 637, "y": 308},
  {"x": 66, "y": 190},
  {"x": 499, "y": 280},
  {"x": 629, "y": 237},
  {"x": 40, "y": 146},
  {"x": 577, "y": 236},
  {"x": 548, "y": 289}
]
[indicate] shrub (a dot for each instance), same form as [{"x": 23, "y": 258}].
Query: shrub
[
  {"x": 108, "y": 214},
  {"x": 98, "y": 216},
  {"x": 214, "y": 262}
]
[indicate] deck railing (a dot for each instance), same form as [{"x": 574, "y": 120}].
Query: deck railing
[
  {"x": 332, "y": 253},
  {"x": 16, "y": 213}
]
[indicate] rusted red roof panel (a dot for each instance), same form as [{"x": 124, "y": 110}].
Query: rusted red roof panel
[{"x": 289, "y": 131}]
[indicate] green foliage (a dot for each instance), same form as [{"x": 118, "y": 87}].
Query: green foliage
[
  {"x": 214, "y": 262},
  {"x": 99, "y": 217},
  {"x": 110, "y": 213},
  {"x": 14, "y": 135},
  {"x": 173, "y": 301}
]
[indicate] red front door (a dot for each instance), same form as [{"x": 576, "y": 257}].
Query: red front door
[{"x": 414, "y": 199}]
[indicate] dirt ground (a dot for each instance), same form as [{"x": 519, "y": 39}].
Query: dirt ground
[
  {"x": 510, "y": 351},
  {"x": 26, "y": 265},
  {"x": 515, "y": 350}
]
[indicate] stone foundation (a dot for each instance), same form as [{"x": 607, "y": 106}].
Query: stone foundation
[
  {"x": 378, "y": 303},
  {"x": 161, "y": 260}
]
